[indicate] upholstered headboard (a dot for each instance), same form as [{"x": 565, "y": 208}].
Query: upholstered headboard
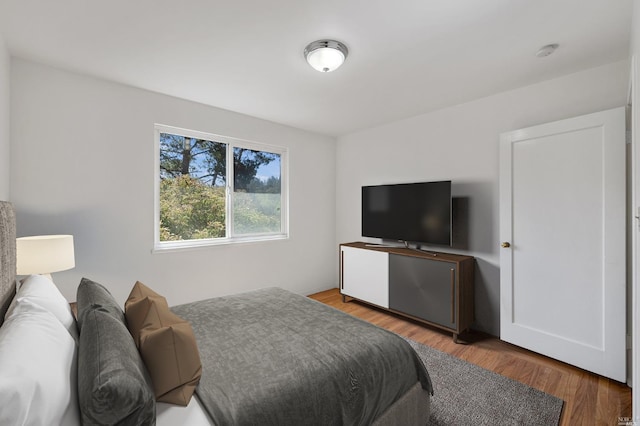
[{"x": 7, "y": 256}]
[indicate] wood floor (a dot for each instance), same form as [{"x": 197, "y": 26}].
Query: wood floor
[{"x": 589, "y": 399}]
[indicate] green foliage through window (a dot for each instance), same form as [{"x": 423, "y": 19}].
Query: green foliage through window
[{"x": 191, "y": 209}]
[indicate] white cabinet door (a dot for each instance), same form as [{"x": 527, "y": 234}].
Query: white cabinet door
[
  {"x": 562, "y": 210},
  {"x": 365, "y": 275}
]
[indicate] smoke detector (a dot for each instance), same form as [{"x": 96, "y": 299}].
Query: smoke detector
[{"x": 546, "y": 50}]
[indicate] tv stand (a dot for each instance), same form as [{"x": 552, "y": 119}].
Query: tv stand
[{"x": 431, "y": 287}]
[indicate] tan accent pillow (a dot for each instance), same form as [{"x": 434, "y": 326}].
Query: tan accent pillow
[{"x": 166, "y": 343}]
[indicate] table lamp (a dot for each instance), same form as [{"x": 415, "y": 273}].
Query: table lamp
[{"x": 44, "y": 254}]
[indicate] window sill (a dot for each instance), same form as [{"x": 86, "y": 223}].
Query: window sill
[{"x": 173, "y": 246}]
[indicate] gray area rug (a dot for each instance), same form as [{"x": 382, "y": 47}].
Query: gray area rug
[{"x": 465, "y": 394}]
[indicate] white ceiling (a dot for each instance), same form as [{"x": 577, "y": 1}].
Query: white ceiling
[{"x": 406, "y": 57}]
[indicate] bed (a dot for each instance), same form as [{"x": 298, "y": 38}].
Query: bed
[{"x": 267, "y": 357}]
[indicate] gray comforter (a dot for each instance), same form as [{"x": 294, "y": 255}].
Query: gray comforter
[{"x": 271, "y": 357}]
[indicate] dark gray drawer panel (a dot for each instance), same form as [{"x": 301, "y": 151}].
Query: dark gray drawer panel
[{"x": 422, "y": 288}]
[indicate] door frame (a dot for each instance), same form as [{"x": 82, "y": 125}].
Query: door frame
[{"x": 634, "y": 256}]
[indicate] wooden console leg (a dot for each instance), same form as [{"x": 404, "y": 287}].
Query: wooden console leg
[{"x": 458, "y": 341}]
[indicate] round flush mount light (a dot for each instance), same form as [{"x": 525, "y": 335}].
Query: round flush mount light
[
  {"x": 325, "y": 55},
  {"x": 546, "y": 50}
]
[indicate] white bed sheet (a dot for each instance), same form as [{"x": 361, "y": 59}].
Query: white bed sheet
[{"x": 192, "y": 415}]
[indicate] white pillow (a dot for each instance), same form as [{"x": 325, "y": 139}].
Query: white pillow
[
  {"x": 38, "y": 369},
  {"x": 43, "y": 292}
]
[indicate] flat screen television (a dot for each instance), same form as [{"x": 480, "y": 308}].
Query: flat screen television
[{"x": 410, "y": 212}]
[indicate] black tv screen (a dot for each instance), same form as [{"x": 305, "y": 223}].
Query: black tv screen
[{"x": 411, "y": 212}]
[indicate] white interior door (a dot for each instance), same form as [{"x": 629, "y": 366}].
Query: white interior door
[{"x": 562, "y": 217}]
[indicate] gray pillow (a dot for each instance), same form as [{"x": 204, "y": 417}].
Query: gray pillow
[
  {"x": 114, "y": 387},
  {"x": 91, "y": 294}
]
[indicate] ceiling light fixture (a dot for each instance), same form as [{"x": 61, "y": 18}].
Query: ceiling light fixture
[
  {"x": 546, "y": 50},
  {"x": 325, "y": 55}
]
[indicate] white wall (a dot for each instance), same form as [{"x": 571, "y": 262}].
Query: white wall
[
  {"x": 82, "y": 163},
  {"x": 4, "y": 121},
  {"x": 461, "y": 143}
]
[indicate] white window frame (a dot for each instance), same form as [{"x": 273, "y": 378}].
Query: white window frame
[{"x": 231, "y": 142}]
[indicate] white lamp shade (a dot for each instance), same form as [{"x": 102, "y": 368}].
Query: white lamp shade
[
  {"x": 44, "y": 254},
  {"x": 325, "y": 59}
]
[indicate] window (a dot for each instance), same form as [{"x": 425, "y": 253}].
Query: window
[{"x": 214, "y": 189}]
